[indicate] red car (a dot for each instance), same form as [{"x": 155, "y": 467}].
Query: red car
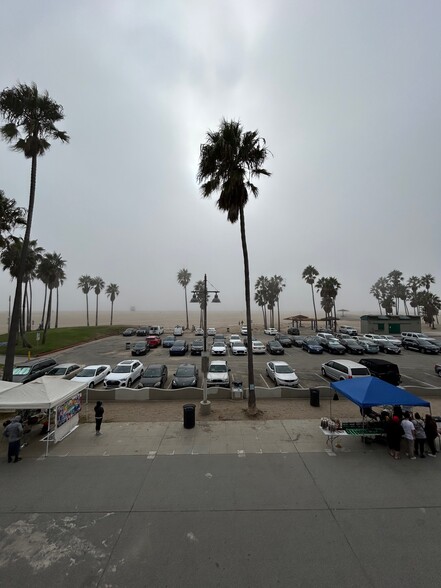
[{"x": 153, "y": 341}]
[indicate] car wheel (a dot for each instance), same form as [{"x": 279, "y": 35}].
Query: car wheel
[{"x": 91, "y": 385}]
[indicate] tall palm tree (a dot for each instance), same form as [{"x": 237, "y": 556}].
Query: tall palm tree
[
  {"x": 229, "y": 160},
  {"x": 97, "y": 284},
  {"x": 427, "y": 280},
  {"x": 413, "y": 283},
  {"x": 199, "y": 291},
  {"x": 184, "y": 277},
  {"x": 309, "y": 274},
  {"x": 112, "y": 291},
  {"x": 85, "y": 284},
  {"x": 30, "y": 125},
  {"x": 51, "y": 273},
  {"x": 261, "y": 296},
  {"x": 277, "y": 284}
]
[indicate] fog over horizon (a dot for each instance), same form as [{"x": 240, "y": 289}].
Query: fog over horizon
[{"x": 346, "y": 95}]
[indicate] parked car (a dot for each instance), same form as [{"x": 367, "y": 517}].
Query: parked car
[
  {"x": 284, "y": 340},
  {"x": 333, "y": 345},
  {"x": 153, "y": 341},
  {"x": 344, "y": 369},
  {"x": 218, "y": 348},
  {"x": 325, "y": 330},
  {"x": 325, "y": 335},
  {"x": 388, "y": 347},
  {"x": 348, "y": 330},
  {"x": 124, "y": 374},
  {"x": 438, "y": 369},
  {"x": 312, "y": 345},
  {"x": 67, "y": 371},
  {"x": 380, "y": 368},
  {"x": 179, "y": 347},
  {"x": 421, "y": 345},
  {"x": 129, "y": 332},
  {"x": 293, "y": 331},
  {"x": 244, "y": 330},
  {"x": 234, "y": 339},
  {"x": 156, "y": 330},
  {"x": 168, "y": 341},
  {"x": 274, "y": 348},
  {"x": 199, "y": 332},
  {"x": 219, "y": 337},
  {"x": 211, "y": 331},
  {"x": 178, "y": 331},
  {"x": 368, "y": 346},
  {"x": 92, "y": 375},
  {"x": 197, "y": 347},
  {"x": 140, "y": 348},
  {"x": 155, "y": 376},
  {"x": 281, "y": 374},
  {"x": 238, "y": 348},
  {"x": 297, "y": 340},
  {"x": 352, "y": 346},
  {"x": 218, "y": 374},
  {"x": 31, "y": 370},
  {"x": 375, "y": 338},
  {"x": 142, "y": 331},
  {"x": 270, "y": 331},
  {"x": 257, "y": 347},
  {"x": 186, "y": 376},
  {"x": 395, "y": 340}
]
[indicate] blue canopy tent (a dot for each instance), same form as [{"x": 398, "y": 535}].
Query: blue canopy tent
[{"x": 370, "y": 391}]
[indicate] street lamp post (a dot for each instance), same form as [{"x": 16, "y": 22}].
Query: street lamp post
[{"x": 205, "y": 404}]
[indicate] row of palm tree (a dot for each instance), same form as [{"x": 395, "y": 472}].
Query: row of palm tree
[
  {"x": 328, "y": 289},
  {"x": 86, "y": 283},
  {"x": 266, "y": 295}
]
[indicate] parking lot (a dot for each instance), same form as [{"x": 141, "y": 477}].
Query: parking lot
[{"x": 417, "y": 370}]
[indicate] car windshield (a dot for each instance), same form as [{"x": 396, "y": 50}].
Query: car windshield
[
  {"x": 178, "y": 344},
  {"x": 197, "y": 342},
  {"x": 139, "y": 345},
  {"x": 218, "y": 344},
  {"x": 275, "y": 344},
  {"x": 313, "y": 341},
  {"x": 283, "y": 369},
  {"x": 218, "y": 368},
  {"x": 86, "y": 373},
  {"x": 183, "y": 372},
  {"x": 21, "y": 371},
  {"x": 152, "y": 372},
  {"x": 258, "y": 343},
  {"x": 121, "y": 369},
  {"x": 57, "y": 372},
  {"x": 333, "y": 342}
]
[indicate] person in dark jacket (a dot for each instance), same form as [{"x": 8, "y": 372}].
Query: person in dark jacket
[
  {"x": 394, "y": 432},
  {"x": 99, "y": 412},
  {"x": 431, "y": 429},
  {"x": 13, "y": 433}
]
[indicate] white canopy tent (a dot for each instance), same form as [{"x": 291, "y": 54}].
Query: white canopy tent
[{"x": 45, "y": 393}]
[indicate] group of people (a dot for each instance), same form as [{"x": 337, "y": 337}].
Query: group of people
[{"x": 411, "y": 431}]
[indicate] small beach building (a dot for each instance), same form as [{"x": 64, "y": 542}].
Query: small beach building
[{"x": 389, "y": 324}]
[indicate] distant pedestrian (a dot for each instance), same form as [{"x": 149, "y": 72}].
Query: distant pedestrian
[
  {"x": 409, "y": 435},
  {"x": 431, "y": 429},
  {"x": 420, "y": 435},
  {"x": 99, "y": 412},
  {"x": 394, "y": 433},
  {"x": 13, "y": 433}
]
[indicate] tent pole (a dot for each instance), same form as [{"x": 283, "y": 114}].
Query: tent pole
[{"x": 48, "y": 431}]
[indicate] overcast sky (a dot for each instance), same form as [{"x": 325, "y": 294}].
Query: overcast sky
[{"x": 347, "y": 95}]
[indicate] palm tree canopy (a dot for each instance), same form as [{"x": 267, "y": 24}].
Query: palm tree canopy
[
  {"x": 10, "y": 216},
  {"x": 51, "y": 270},
  {"x": 31, "y": 119},
  {"x": 309, "y": 274},
  {"x": 112, "y": 291},
  {"x": 184, "y": 277},
  {"x": 229, "y": 159},
  {"x": 85, "y": 283},
  {"x": 97, "y": 284},
  {"x": 11, "y": 255}
]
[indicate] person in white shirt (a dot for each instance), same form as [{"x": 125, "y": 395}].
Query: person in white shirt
[{"x": 409, "y": 435}]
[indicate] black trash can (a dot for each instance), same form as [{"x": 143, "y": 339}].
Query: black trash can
[
  {"x": 314, "y": 397},
  {"x": 189, "y": 415},
  {"x": 128, "y": 345}
]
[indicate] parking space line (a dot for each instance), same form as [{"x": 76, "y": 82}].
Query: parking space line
[
  {"x": 419, "y": 381},
  {"x": 264, "y": 381}
]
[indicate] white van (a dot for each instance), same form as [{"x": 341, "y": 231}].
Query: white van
[
  {"x": 410, "y": 335},
  {"x": 156, "y": 330},
  {"x": 344, "y": 369}
]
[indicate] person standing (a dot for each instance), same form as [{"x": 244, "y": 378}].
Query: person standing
[
  {"x": 99, "y": 412},
  {"x": 13, "y": 433},
  {"x": 431, "y": 429},
  {"x": 420, "y": 435},
  {"x": 394, "y": 433},
  {"x": 409, "y": 435}
]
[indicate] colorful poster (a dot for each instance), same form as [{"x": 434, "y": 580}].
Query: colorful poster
[{"x": 68, "y": 410}]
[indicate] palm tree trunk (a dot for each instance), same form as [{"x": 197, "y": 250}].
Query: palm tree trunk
[
  {"x": 278, "y": 315},
  {"x": 111, "y": 312},
  {"x": 96, "y": 311},
  {"x": 48, "y": 317},
  {"x": 315, "y": 310},
  {"x": 263, "y": 316},
  {"x": 186, "y": 305},
  {"x": 30, "y": 307},
  {"x": 56, "y": 313},
  {"x": 251, "y": 388},
  {"x": 87, "y": 309},
  {"x": 44, "y": 304},
  {"x": 23, "y": 308}
]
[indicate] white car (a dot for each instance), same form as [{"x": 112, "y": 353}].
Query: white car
[
  {"x": 257, "y": 347},
  {"x": 348, "y": 330},
  {"x": 92, "y": 375},
  {"x": 218, "y": 374},
  {"x": 64, "y": 370},
  {"x": 124, "y": 374},
  {"x": 394, "y": 340},
  {"x": 281, "y": 374},
  {"x": 198, "y": 332},
  {"x": 178, "y": 331},
  {"x": 234, "y": 339},
  {"x": 218, "y": 348},
  {"x": 244, "y": 330},
  {"x": 270, "y": 331},
  {"x": 211, "y": 331},
  {"x": 375, "y": 338},
  {"x": 238, "y": 348},
  {"x": 156, "y": 330}
]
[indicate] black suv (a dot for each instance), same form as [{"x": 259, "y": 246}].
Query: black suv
[
  {"x": 293, "y": 331},
  {"x": 382, "y": 369},
  {"x": 31, "y": 370}
]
